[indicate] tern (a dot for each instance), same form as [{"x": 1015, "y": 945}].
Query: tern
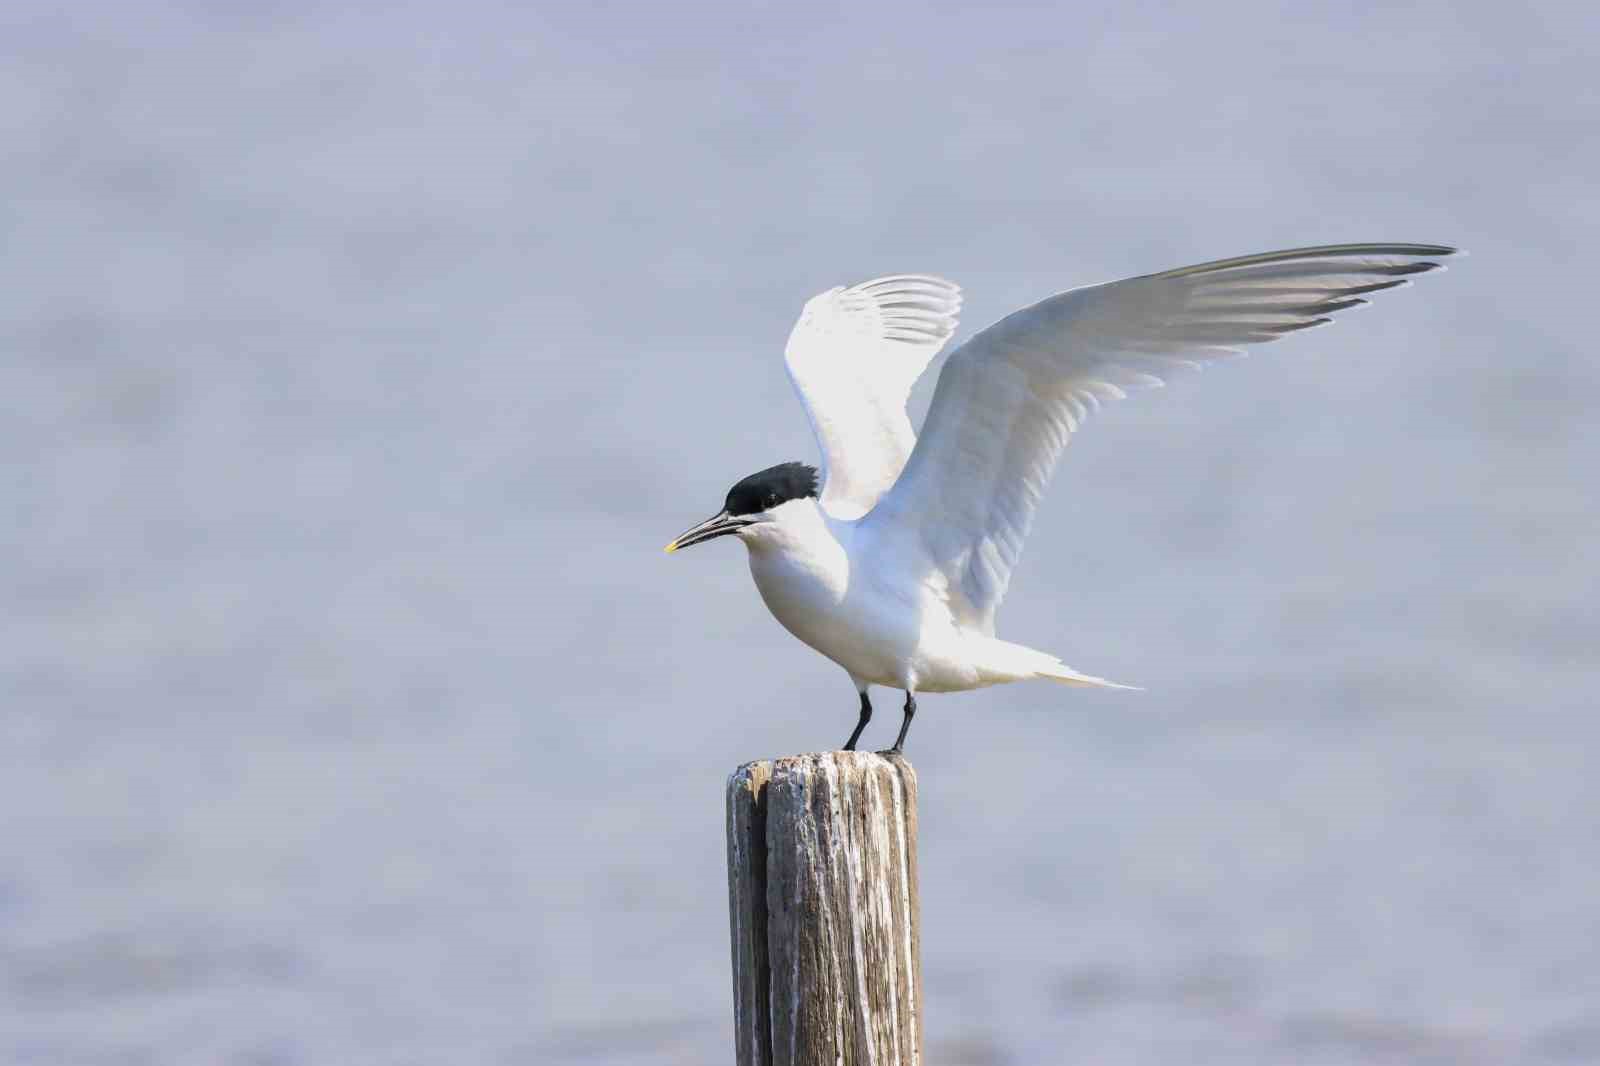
[{"x": 892, "y": 559}]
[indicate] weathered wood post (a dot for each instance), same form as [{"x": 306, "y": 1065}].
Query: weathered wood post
[{"x": 822, "y": 903}]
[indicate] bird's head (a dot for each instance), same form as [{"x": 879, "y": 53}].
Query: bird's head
[{"x": 756, "y": 501}]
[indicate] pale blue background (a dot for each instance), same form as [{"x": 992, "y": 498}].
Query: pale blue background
[{"x": 356, "y": 362}]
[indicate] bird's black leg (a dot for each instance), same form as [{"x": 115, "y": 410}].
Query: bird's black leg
[
  {"x": 861, "y": 723},
  {"x": 905, "y": 725}
]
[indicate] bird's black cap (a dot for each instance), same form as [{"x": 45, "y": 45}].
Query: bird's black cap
[{"x": 768, "y": 488}]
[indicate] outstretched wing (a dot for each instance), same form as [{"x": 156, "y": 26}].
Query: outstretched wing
[
  {"x": 1009, "y": 398},
  {"x": 853, "y": 357}
]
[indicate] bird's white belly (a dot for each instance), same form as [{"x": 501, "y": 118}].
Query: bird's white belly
[
  {"x": 880, "y": 635},
  {"x": 816, "y": 603}
]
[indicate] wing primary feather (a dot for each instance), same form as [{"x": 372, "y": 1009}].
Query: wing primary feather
[
  {"x": 1302, "y": 269},
  {"x": 1267, "y": 313},
  {"x": 1267, "y": 295},
  {"x": 1326, "y": 251}
]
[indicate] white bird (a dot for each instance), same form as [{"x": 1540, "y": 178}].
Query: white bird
[{"x": 894, "y": 561}]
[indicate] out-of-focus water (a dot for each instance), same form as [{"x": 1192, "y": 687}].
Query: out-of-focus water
[{"x": 355, "y": 367}]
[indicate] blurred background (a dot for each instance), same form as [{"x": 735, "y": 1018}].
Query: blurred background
[{"x": 358, "y": 360}]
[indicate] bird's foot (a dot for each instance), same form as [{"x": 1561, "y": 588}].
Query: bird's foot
[{"x": 892, "y": 751}]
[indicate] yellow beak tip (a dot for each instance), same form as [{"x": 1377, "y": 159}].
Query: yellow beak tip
[{"x": 670, "y": 548}]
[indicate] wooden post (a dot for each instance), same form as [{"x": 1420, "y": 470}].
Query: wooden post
[{"x": 822, "y": 904}]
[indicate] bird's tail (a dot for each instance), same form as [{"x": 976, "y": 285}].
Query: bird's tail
[
  {"x": 1066, "y": 675},
  {"x": 1017, "y": 662}
]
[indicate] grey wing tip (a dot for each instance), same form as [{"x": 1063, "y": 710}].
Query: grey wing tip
[
  {"x": 1298, "y": 326},
  {"x": 1420, "y": 250},
  {"x": 1433, "y": 249},
  {"x": 1328, "y": 252},
  {"x": 1330, "y": 306},
  {"x": 1377, "y": 286}
]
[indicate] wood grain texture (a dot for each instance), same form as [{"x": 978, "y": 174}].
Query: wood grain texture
[
  {"x": 823, "y": 910},
  {"x": 747, "y": 911}
]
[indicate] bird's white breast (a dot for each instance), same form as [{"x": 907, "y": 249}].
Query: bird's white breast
[
  {"x": 830, "y": 586},
  {"x": 802, "y": 566}
]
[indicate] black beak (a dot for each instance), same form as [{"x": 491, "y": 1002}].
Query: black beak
[{"x": 716, "y": 526}]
